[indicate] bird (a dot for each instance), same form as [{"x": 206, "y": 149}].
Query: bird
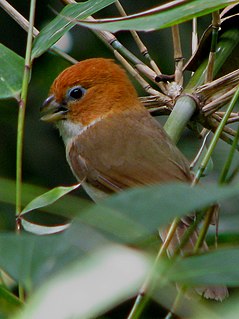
[{"x": 112, "y": 142}]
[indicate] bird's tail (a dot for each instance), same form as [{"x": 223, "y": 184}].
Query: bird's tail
[{"x": 218, "y": 293}]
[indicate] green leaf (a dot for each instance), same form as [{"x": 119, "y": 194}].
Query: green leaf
[
  {"x": 136, "y": 213},
  {"x": 159, "y": 17},
  {"x": 49, "y": 198},
  {"x": 31, "y": 259},
  {"x": 64, "y": 22},
  {"x": 91, "y": 287},
  {"x": 158, "y": 205},
  {"x": 214, "y": 268},
  {"x": 68, "y": 206},
  {"x": 11, "y": 71},
  {"x": 39, "y": 229},
  {"x": 8, "y": 302}
]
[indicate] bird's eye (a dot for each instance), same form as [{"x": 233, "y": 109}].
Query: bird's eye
[{"x": 76, "y": 92}]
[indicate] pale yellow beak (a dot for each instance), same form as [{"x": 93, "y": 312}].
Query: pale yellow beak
[{"x": 52, "y": 110}]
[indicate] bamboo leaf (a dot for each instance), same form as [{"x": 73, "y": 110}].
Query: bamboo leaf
[
  {"x": 31, "y": 259},
  {"x": 48, "y": 198},
  {"x": 163, "y": 16},
  {"x": 11, "y": 71},
  {"x": 90, "y": 287},
  {"x": 68, "y": 206},
  {"x": 214, "y": 268},
  {"x": 133, "y": 215},
  {"x": 64, "y": 22}
]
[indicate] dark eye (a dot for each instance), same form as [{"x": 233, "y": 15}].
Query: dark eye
[{"x": 76, "y": 92}]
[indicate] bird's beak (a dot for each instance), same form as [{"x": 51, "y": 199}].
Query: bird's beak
[{"x": 52, "y": 110}]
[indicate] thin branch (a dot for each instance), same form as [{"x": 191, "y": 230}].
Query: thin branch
[
  {"x": 216, "y": 22},
  {"x": 219, "y": 102},
  {"x": 215, "y": 138},
  {"x": 194, "y": 36},
  {"x": 226, "y": 129},
  {"x": 178, "y": 56},
  {"x": 141, "y": 80},
  {"x": 195, "y": 160},
  {"x": 24, "y": 23}
]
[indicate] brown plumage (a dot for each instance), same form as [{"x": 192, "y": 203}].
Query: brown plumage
[{"x": 111, "y": 140}]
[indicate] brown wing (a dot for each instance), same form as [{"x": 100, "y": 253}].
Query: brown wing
[{"x": 126, "y": 150}]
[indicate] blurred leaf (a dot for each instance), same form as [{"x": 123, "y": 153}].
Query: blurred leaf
[
  {"x": 49, "y": 197},
  {"x": 91, "y": 287},
  {"x": 115, "y": 224},
  {"x": 30, "y": 259},
  {"x": 64, "y": 22},
  {"x": 139, "y": 212},
  {"x": 11, "y": 71},
  {"x": 38, "y": 229},
  {"x": 158, "y": 205},
  {"x": 163, "y": 16},
  {"x": 8, "y": 302},
  {"x": 214, "y": 268}
]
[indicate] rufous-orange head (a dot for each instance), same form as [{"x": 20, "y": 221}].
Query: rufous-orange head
[{"x": 89, "y": 90}]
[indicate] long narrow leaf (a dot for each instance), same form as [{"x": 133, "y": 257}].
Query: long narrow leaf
[
  {"x": 159, "y": 17},
  {"x": 58, "y": 26},
  {"x": 214, "y": 268},
  {"x": 49, "y": 198},
  {"x": 11, "y": 70}
]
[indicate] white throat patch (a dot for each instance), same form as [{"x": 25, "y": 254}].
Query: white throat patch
[{"x": 69, "y": 130}]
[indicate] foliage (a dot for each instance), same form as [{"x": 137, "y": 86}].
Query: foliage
[{"x": 89, "y": 265}]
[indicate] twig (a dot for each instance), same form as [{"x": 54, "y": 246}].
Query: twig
[
  {"x": 216, "y": 21},
  {"x": 219, "y": 102},
  {"x": 216, "y": 138},
  {"x": 226, "y": 129},
  {"x": 178, "y": 57},
  {"x": 24, "y": 23},
  {"x": 194, "y": 36},
  {"x": 141, "y": 81},
  {"x": 233, "y": 119},
  {"x": 142, "y": 48},
  {"x": 194, "y": 162}
]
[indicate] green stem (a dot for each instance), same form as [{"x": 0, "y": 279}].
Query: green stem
[
  {"x": 228, "y": 162},
  {"x": 215, "y": 138},
  {"x": 143, "y": 298},
  {"x": 204, "y": 229},
  {"x": 178, "y": 119},
  {"x": 22, "y": 109},
  {"x": 21, "y": 122}
]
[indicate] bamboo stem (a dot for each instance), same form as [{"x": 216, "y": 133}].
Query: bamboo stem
[{"x": 178, "y": 119}]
